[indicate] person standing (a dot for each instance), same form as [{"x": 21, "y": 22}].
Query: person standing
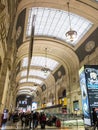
[
  {"x": 43, "y": 121},
  {"x": 30, "y": 119},
  {"x": 95, "y": 119},
  {"x": 35, "y": 119},
  {"x": 4, "y": 117},
  {"x": 23, "y": 119},
  {"x": 16, "y": 118}
]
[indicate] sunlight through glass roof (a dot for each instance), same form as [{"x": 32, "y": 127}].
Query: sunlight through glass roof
[
  {"x": 40, "y": 61},
  {"x": 34, "y": 80},
  {"x": 33, "y": 93},
  {"x": 38, "y": 73},
  {"x": 54, "y": 23},
  {"x": 29, "y": 87},
  {"x": 25, "y": 90}
]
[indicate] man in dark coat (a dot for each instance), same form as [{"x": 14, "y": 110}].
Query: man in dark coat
[{"x": 95, "y": 119}]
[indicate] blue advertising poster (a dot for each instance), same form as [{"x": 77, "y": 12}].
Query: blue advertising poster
[
  {"x": 91, "y": 74},
  {"x": 85, "y": 98},
  {"x": 89, "y": 91}
]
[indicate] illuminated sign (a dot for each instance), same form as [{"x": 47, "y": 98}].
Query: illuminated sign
[
  {"x": 89, "y": 91},
  {"x": 34, "y": 105}
]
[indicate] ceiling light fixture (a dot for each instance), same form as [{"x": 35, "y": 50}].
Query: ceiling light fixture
[
  {"x": 45, "y": 69},
  {"x": 71, "y": 34}
]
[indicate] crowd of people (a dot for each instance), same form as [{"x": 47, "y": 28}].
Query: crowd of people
[{"x": 31, "y": 119}]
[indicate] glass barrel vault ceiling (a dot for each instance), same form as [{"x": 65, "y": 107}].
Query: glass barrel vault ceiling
[
  {"x": 36, "y": 61},
  {"x": 40, "y": 61},
  {"x": 28, "y": 87},
  {"x": 35, "y": 74},
  {"x": 34, "y": 80},
  {"x": 51, "y": 23},
  {"x": 27, "y": 90},
  {"x": 54, "y": 23}
]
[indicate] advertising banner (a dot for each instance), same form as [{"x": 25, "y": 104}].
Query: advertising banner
[
  {"x": 34, "y": 105},
  {"x": 89, "y": 90},
  {"x": 85, "y": 99}
]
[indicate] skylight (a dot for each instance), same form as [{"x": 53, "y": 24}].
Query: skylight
[
  {"x": 27, "y": 93},
  {"x": 28, "y": 87},
  {"x": 27, "y": 90},
  {"x": 38, "y": 73},
  {"x": 54, "y": 23},
  {"x": 40, "y": 61},
  {"x": 34, "y": 80}
]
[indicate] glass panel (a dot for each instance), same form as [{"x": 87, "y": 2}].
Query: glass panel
[
  {"x": 38, "y": 73},
  {"x": 19, "y": 93},
  {"x": 27, "y": 90},
  {"x": 55, "y": 23},
  {"x": 40, "y": 61},
  {"x": 24, "y": 91},
  {"x": 37, "y": 81},
  {"x": 29, "y": 87}
]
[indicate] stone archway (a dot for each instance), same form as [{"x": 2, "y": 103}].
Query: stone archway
[
  {"x": 61, "y": 92},
  {"x": 51, "y": 98}
]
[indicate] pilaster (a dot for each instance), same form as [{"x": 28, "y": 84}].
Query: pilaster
[{"x": 4, "y": 79}]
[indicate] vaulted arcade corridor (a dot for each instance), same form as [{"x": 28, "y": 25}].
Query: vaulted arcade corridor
[{"x": 37, "y": 60}]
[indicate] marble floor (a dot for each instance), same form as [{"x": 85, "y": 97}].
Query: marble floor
[
  {"x": 46, "y": 128},
  {"x": 12, "y": 126}
]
